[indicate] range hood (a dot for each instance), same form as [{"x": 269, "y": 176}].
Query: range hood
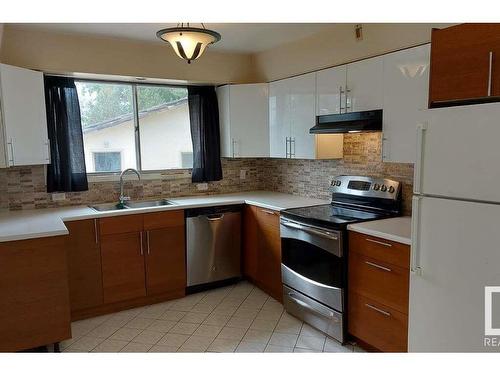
[{"x": 352, "y": 122}]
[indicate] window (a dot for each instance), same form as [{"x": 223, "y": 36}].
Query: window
[{"x": 151, "y": 134}]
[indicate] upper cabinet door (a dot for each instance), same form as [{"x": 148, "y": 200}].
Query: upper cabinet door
[
  {"x": 249, "y": 120},
  {"x": 365, "y": 85},
  {"x": 226, "y": 147},
  {"x": 279, "y": 118},
  {"x": 465, "y": 64},
  {"x": 406, "y": 84},
  {"x": 330, "y": 94},
  {"x": 24, "y": 116},
  {"x": 303, "y": 115}
]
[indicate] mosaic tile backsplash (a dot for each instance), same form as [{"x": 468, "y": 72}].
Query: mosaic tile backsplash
[{"x": 24, "y": 187}]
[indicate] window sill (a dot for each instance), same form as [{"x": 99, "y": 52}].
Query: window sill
[{"x": 175, "y": 174}]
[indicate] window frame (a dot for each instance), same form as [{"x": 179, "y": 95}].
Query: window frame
[{"x": 101, "y": 176}]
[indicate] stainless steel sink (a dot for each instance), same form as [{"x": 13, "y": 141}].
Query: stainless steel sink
[
  {"x": 145, "y": 204},
  {"x": 108, "y": 207}
]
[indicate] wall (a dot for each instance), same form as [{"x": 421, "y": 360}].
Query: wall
[
  {"x": 65, "y": 53},
  {"x": 337, "y": 45}
]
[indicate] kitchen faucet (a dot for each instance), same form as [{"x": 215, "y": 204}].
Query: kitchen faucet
[{"x": 122, "y": 198}]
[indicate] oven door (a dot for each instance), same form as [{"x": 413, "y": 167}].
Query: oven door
[{"x": 312, "y": 262}]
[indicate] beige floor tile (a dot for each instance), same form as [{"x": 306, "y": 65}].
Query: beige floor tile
[
  {"x": 232, "y": 333},
  {"x": 307, "y": 330},
  {"x": 333, "y": 346},
  {"x": 126, "y": 334},
  {"x": 163, "y": 349},
  {"x": 255, "y": 335},
  {"x": 225, "y": 310},
  {"x": 81, "y": 328},
  {"x": 198, "y": 342},
  {"x": 171, "y": 315},
  {"x": 251, "y": 347},
  {"x": 119, "y": 320},
  {"x": 148, "y": 337},
  {"x": 189, "y": 350},
  {"x": 263, "y": 325},
  {"x": 246, "y": 313},
  {"x": 310, "y": 342},
  {"x": 136, "y": 347},
  {"x": 66, "y": 343},
  {"x": 206, "y": 308},
  {"x": 70, "y": 350},
  {"x": 154, "y": 311},
  {"x": 278, "y": 349},
  {"x": 110, "y": 346},
  {"x": 217, "y": 320},
  {"x": 288, "y": 324},
  {"x": 270, "y": 315},
  {"x": 250, "y": 304},
  {"x": 86, "y": 344},
  {"x": 239, "y": 322},
  {"x": 206, "y": 330},
  {"x": 161, "y": 326},
  {"x": 173, "y": 339},
  {"x": 272, "y": 304},
  {"x": 301, "y": 350},
  {"x": 184, "y": 328},
  {"x": 194, "y": 317},
  {"x": 357, "y": 349},
  {"x": 222, "y": 345},
  {"x": 103, "y": 331},
  {"x": 283, "y": 339},
  {"x": 182, "y": 306},
  {"x": 140, "y": 323}
]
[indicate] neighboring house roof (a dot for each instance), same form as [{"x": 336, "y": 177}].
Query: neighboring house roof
[{"x": 129, "y": 116}]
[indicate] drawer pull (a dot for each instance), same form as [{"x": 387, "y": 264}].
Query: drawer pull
[
  {"x": 383, "y": 312},
  {"x": 268, "y": 212},
  {"x": 379, "y": 242},
  {"x": 378, "y": 266}
]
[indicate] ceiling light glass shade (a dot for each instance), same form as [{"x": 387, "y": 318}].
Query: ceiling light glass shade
[{"x": 189, "y": 43}]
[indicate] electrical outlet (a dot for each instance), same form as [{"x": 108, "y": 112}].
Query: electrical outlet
[
  {"x": 243, "y": 174},
  {"x": 58, "y": 197},
  {"x": 203, "y": 186}
]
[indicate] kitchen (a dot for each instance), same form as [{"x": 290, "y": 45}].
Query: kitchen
[{"x": 303, "y": 215}]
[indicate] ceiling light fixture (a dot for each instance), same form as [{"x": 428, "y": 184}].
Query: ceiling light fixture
[{"x": 188, "y": 42}]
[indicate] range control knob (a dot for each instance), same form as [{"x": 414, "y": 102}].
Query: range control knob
[
  {"x": 391, "y": 189},
  {"x": 376, "y": 187},
  {"x": 383, "y": 188},
  {"x": 339, "y": 182},
  {"x": 333, "y": 183}
]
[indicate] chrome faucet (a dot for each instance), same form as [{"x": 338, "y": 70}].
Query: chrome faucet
[{"x": 122, "y": 198}]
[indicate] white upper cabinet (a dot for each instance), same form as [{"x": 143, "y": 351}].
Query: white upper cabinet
[
  {"x": 365, "y": 85},
  {"x": 406, "y": 87},
  {"x": 330, "y": 90},
  {"x": 279, "y": 118},
  {"x": 23, "y": 116},
  {"x": 243, "y": 115}
]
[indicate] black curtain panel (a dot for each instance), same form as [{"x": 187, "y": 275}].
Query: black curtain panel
[
  {"x": 67, "y": 171},
  {"x": 205, "y": 134}
]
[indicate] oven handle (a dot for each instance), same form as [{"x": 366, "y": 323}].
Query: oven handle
[
  {"x": 310, "y": 230},
  {"x": 307, "y": 307}
]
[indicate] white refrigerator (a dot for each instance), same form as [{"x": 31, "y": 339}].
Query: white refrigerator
[{"x": 455, "y": 229}]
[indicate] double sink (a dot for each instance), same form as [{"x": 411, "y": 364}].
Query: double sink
[{"x": 132, "y": 204}]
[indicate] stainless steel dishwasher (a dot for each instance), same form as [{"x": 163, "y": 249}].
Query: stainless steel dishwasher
[{"x": 213, "y": 245}]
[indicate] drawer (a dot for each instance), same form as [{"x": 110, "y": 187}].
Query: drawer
[
  {"x": 120, "y": 224},
  {"x": 380, "y": 249},
  {"x": 378, "y": 280},
  {"x": 267, "y": 218},
  {"x": 165, "y": 219},
  {"x": 376, "y": 324}
]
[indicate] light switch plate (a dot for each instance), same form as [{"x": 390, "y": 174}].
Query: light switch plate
[
  {"x": 243, "y": 174},
  {"x": 58, "y": 197},
  {"x": 203, "y": 186}
]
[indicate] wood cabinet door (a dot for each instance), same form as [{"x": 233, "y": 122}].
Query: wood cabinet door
[
  {"x": 165, "y": 252},
  {"x": 123, "y": 274},
  {"x": 84, "y": 264},
  {"x": 250, "y": 243},
  {"x": 460, "y": 62}
]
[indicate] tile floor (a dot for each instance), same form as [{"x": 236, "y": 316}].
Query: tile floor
[{"x": 237, "y": 318}]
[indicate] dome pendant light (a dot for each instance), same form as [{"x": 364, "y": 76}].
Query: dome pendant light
[{"x": 189, "y": 43}]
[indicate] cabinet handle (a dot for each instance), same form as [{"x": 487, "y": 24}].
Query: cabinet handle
[
  {"x": 268, "y": 212},
  {"x": 95, "y": 231},
  {"x": 142, "y": 250},
  {"x": 384, "y": 148},
  {"x": 347, "y": 106},
  {"x": 292, "y": 141},
  {"x": 147, "y": 239},
  {"x": 386, "y": 313},
  {"x": 233, "y": 142},
  {"x": 379, "y": 242},
  {"x": 286, "y": 148},
  {"x": 415, "y": 266},
  {"x": 11, "y": 145},
  {"x": 341, "y": 91},
  {"x": 48, "y": 150},
  {"x": 490, "y": 72},
  {"x": 378, "y": 266}
]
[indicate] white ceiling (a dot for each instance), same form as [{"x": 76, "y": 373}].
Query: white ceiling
[{"x": 236, "y": 37}]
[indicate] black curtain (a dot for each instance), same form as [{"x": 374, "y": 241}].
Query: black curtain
[
  {"x": 205, "y": 134},
  {"x": 67, "y": 169}
]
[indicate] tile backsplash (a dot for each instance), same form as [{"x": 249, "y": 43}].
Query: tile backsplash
[{"x": 24, "y": 187}]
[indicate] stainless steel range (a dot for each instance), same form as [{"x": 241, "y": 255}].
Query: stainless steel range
[{"x": 314, "y": 248}]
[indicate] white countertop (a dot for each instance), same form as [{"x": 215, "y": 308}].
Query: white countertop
[
  {"x": 396, "y": 229},
  {"x": 26, "y": 224}
]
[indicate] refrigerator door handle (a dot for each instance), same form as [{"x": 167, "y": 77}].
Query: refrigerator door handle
[
  {"x": 415, "y": 245},
  {"x": 421, "y": 128}
]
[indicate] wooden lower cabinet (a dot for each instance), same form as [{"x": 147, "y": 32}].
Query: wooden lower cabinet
[
  {"x": 378, "y": 292},
  {"x": 262, "y": 249},
  {"x": 84, "y": 264},
  {"x": 34, "y": 296}
]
